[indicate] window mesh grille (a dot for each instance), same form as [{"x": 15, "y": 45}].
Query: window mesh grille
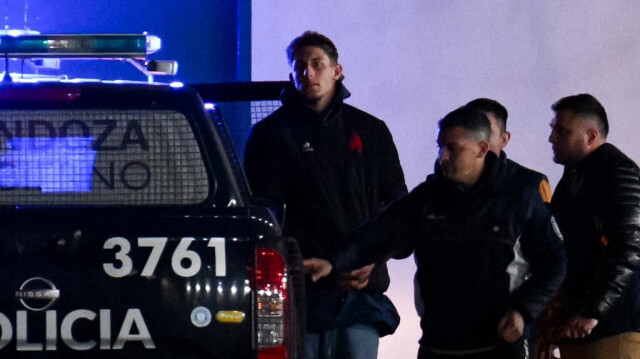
[{"x": 261, "y": 109}]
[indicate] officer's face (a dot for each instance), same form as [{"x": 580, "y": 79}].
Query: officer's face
[
  {"x": 460, "y": 156},
  {"x": 569, "y": 137}
]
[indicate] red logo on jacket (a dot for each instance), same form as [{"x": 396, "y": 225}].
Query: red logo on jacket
[{"x": 355, "y": 143}]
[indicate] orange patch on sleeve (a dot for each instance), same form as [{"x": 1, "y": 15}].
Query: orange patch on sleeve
[{"x": 545, "y": 191}]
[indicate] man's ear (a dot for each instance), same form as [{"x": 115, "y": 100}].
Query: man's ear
[
  {"x": 291, "y": 78},
  {"x": 593, "y": 136},
  {"x": 484, "y": 148},
  {"x": 337, "y": 72},
  {"x": 504, "y": 138}
]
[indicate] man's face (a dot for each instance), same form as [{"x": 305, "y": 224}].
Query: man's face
[
  {"x": 499, "y": 138},
  {"x": 569, "y": 137},
  {"x": 314, "y": 74},
  {"x": 460, "y": 157}
]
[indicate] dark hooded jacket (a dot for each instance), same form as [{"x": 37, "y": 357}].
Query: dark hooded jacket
[
  {"x": 479, "y": 252},
  {"x": 334, "y": 171},
  {"x": 597, "y": 204}
]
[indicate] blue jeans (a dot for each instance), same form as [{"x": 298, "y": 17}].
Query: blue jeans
[{"x": 358, "y": 341}]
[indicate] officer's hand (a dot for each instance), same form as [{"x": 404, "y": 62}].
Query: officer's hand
[
  {"x": 511, "y": 326},
  {"x": 317, "y": 268},
  {"x": 356, "y": 279},
  {"x": 575, "y": 328}
]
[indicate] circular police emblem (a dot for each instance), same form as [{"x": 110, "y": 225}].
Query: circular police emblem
[
  {"x": 38, "y": 293},
  {"x": 200, "y": 317}
]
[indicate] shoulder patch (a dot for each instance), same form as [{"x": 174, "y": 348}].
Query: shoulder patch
[{"x": 545, "y": 191}]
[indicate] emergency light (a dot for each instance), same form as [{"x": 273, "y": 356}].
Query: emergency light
[
  {"x": 94, "y": 46},
  {"x": 46, "y": 51}
]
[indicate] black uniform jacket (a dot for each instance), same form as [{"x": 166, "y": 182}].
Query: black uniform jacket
[{"x": 479, "y": 252}]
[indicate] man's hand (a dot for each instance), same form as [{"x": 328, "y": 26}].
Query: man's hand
[
  {"x": 576, "y": 327},
  {"x": 317, "y": 268},
  {"x": 511, "y": 326},
  {"x": 356, "y": 279},
  {"x": 544, "y": 349}
]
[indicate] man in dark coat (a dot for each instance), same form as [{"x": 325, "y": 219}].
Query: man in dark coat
[
  {"x": 497, "y": 115},
  {"x": 597, "y": 205},
  {"x": 474, "y": 225},
  {"x": 335, "y": 167}
]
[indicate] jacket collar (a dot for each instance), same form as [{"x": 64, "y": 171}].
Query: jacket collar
[
  {"x": 290, "y": 96},
  {"x": 596, "y": 157}
]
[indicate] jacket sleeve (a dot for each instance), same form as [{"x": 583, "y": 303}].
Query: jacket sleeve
[
  {"x": 392, "y": 232},
  {"x": 620, "y": 256},
  {"x": 392, "y": 182},
  {"x": 542, "y": 247}
]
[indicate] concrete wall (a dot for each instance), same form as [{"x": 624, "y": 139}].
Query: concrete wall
[{"x": 411, "y": 62}]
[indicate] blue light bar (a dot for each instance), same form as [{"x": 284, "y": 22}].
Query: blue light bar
[{"x": 92, "y": 46}]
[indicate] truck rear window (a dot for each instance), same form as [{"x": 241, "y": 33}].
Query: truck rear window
[{"x": 99, "y": 157}]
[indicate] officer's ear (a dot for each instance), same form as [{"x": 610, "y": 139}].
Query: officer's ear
[
  {"x": 484, "y": 148},
  {"x": 592, "y": 136},
  {"x": 291, "y": 78},
  {"x": 505, "y": 136}
]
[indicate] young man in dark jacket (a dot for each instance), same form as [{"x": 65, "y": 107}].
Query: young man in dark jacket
[
  {"x": 472, "y": 225},
  {"x": 597, "y": 204},
  {"x": 335, "y": 167}
]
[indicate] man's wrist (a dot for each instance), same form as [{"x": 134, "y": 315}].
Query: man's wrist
[{"x": 589, "y": 313}]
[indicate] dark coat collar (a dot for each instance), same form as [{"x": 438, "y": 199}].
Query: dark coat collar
[
  {"x": 597, "y": 157},
  {"x": 290, "y": 96}
]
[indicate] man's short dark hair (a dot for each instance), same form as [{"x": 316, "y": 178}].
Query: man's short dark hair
[
  {"x": 312, "y": 38},
  {"x": 469, "y": 118},
  {"x": 488, "y": 105},
  {"x": 584, "y": 105}
]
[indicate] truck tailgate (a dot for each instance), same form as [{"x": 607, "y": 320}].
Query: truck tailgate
[{"x": 80, "y": 285}]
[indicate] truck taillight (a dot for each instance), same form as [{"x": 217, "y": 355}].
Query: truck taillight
[{"x": 273, "y": 306}]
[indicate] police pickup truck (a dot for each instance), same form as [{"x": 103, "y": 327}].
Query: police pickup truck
[{"x": 126, "y": 226}]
